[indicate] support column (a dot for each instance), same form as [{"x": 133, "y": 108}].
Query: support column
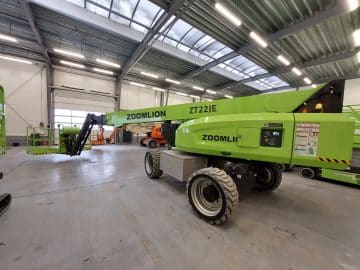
[
  {"x": 162, "y": 99},
  {"x": 50, "y": 95},
  {"x": 167, "y": 97},
  {"x": 118, "y": 83}
]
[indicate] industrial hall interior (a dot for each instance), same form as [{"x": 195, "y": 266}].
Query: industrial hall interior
[{"x": 180, "y": 134}]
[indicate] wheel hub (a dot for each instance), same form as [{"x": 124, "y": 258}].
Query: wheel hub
[
  {"x": 263, "y": 176},
  {"x": 211, "y": 194},
  {"x": 206, "y": 196}
]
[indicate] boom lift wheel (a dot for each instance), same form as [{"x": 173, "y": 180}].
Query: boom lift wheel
[
  {"x": 142, "y": 142},
  {"x": 268, "y": 177},
  {"x": 212, "y": 194},
  {"x": 281, "y": 166},
  {"x": 151, "y": 144},
  {"x": 308, "y": 173},
  {"x": 152, "y": 164}
]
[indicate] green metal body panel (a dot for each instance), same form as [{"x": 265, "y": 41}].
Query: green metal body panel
[
  {"x": 353, "y": 112},
  {"x": 277, "y": 102},
  {"x": 342, "y": 176},
  {"x": 70, "y": 131},
  {"x": 40, "y": 150},
  {"x": 2, "y": 122},
  {"x": 335, "y": 139},
  {"x": 240, "y": 136}
]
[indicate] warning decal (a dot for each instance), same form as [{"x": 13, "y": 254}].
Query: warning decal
[{"x": 306, "y": 139}]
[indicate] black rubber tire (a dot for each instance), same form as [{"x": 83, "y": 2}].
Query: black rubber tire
[
  {"x": 142, "y": 142},
  {"x": 152, "y": 164},
  {"x": 5, "y": 201},
  {"x": 228, "y": 190},
  {"x": 309, "y": 173},
  {"x": 151, "y": 144},
  {"x": 275, "y": 175},
  {"x": 281, "y": 166}
]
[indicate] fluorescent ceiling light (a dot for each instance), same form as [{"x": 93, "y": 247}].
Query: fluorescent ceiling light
[
  {"x": 198, "y": 88},
  {"x": 137, "y": 84},
  {"x": 307, "y": 80},
  {"x": 283, "y": 60},
  {"x": 107, "y": 63},
  {"x": 8, "y": 38},
  {"x": 172, "y": 81},
  {"x": 151, "y": 75},
  {"x": 296, "y": 71},
  {"x": 71, "y": 64},
  {"x": 211, "y": 92},
  {"x": 356, "y": 36},
  {"x": 194, "y": 96},
  {"x": 181, "y": 94},
  {"x": 159, "y": 89},
  {"x": 228, "y": 96},
  {"x": 258, "y": 39},
  {"x": 352, "y": 4},
  {"x": 104, "y": 71},
  {"x": 15, "y": 59},
  {"x": 69, "y": 53},
  {"x": 314, "y": 85},
  {"x": 228, "y": 14}
]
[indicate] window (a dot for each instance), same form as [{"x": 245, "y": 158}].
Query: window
[
  {"x": 141, "y": 15},
  {"x": 74, "y": 118}
]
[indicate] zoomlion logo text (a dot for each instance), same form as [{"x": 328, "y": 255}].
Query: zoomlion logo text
[
  {"x": 155, "y": 114},
  {"x": 219, "y": 138}
]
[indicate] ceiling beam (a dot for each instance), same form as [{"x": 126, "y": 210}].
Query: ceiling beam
[
  {"x": 336, "y": 10},
  {"x": 281, "y": 71},
  {"x": 144, "y": 46},
  {"x": 350, "y": 76},
  {"x": 30, "y": 17}
]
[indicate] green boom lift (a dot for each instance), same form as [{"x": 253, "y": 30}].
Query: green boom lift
[
  {"x": 5, "y": 199},
  {"x": 221, "y": 143}
]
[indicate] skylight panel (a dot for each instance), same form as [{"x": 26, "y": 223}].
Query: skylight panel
[
  {"x": 179, "y": 29},
  {"x": 119, "y": 19},
  {"x": 138, "y": 27},
  {"x": 77, "y": 2},
  {"x": 205, "y": 40},
  {"x": 97, "y": 9},
  {"x": 146, "y": 12},
  {"x": 104, "y": 3},
  {"x": 192, "y": 37},
  {"x": 124, "y": 7}
]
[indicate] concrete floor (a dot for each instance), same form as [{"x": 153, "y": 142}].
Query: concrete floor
[{"x": 100, "y": 211}]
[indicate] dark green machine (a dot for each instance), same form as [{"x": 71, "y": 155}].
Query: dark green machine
[
  {"x": 41, "y": 141},
  {"x": 221, "y": 143},
  {"x": 5, "y": 199}
]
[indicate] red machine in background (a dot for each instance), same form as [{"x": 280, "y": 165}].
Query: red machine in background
[
  {"x": 112, "y": 136},
  {"x": 154, "y": 138},
  {"x": 100, "y": 140}
]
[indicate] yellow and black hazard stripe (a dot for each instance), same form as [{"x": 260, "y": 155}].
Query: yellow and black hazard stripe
[{"x": 334, "y": 160}]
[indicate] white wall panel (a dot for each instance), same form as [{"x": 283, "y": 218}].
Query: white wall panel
[
  {"x": 25, "y": 96},
  {"x": 83, "y": 101},
  {"x": 176, "y": 99},
  {"x": 352, "y": 92},
  {"x": 134, "y": 97}
]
